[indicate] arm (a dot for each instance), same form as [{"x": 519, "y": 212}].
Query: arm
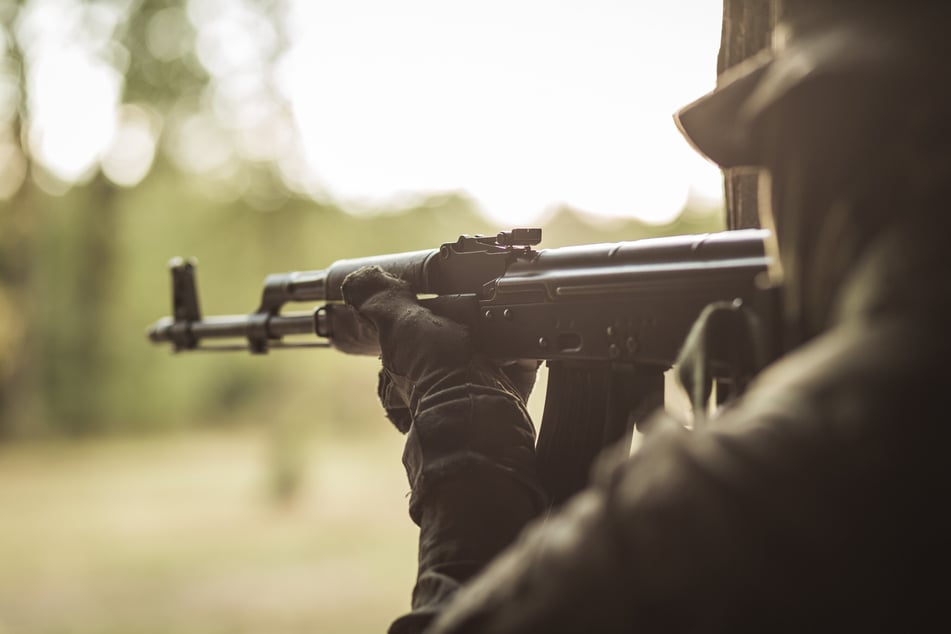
[
  {"x": 469, "y": 452},
  {"x": 685, "y": 536},
  {"x": 648, "y": 546},
  {"x": 813, "y": 504}
]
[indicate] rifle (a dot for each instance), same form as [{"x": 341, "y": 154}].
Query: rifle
[{"x": 609, "y": 319}]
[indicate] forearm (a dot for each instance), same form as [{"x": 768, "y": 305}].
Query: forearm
[
  {"x": 474, "y": 487},
  {"x": 463, "y": 527},
  {"x": 661, "y": 543},
  {"x": 470, "y": 445}
]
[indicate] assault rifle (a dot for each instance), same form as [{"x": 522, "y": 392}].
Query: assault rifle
[{"x": 608, "y": 318}]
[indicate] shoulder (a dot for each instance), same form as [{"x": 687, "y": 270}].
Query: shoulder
[
  {"x": 823, "y": 466},
  {"x": 861, "y": 374},
  {"x": 860, "y": 404}
]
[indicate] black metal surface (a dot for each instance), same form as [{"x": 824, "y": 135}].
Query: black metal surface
[{"x": 590, "y": 406}]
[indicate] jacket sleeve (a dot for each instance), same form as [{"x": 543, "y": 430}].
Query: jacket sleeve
[
  {"x": 649, "y": 538},
  {"x": 698, "y": 531},
  {"x": 470, "y": 462},
  {"x": 801, "y": 509}
]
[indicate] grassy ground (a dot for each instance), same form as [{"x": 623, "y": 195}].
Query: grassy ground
[{"x": 179, "y": 535}]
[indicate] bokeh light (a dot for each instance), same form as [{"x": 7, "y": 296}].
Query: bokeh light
[
  {"x": 131, "y": 152},
  {"x": 525, "y": 105}
]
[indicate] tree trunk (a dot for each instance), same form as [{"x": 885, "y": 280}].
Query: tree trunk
[
  {"x": 78, "y": 268},
  {"x": 17, "y": 245},
  {"x": 747, "y": 29}
]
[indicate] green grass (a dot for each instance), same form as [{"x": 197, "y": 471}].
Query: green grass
[{"x": 178, "y": 534}]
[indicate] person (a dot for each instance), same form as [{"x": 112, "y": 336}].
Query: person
[{"x": 816, "y": 501}]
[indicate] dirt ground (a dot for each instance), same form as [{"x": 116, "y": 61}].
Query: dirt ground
[{"x": 178, "y": 535}]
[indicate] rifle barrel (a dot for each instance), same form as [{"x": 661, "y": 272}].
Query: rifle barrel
[{"x": 188, "y": 334}]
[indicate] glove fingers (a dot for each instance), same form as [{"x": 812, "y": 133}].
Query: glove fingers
[
  {"x": 414, "y": 341},
  {"x": 377, "y": 295}
]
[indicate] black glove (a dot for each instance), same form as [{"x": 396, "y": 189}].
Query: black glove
[
  {"x": 470, "y": 446},
  {"x": 430, "y": 372}
]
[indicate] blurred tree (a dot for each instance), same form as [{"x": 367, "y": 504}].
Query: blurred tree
[
  {"x": 747, "y": 29},
  {"x": 94, "y": 96},
  {"x": 15, "y": 223}
]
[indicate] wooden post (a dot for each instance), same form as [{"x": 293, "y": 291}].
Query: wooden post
[{"x": 747, "y": 29}]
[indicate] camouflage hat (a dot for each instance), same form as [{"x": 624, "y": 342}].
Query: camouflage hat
[{"x": 872, "y": 40}]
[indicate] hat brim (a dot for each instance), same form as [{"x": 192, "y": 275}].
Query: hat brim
[
  {"x": 720, "y": 124},
  {"x": 713, "y": 124}
]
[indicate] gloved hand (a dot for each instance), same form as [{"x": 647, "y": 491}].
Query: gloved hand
[
  {"x": 419, "y": 347},
  {"x": 470, "y": 446}
]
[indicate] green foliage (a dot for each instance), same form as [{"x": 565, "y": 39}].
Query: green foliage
[{"x": 162, "y": 67}]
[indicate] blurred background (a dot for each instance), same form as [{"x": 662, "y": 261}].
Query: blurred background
[{"x": 146, "y": 492}]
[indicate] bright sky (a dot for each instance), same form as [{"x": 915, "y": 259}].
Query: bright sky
[{"x": 525, "y": 104}]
